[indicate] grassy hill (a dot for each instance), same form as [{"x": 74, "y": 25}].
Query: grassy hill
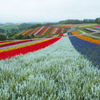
[{"x": 9, "y": 27}]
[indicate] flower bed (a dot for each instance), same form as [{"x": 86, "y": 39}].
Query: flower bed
[
  {"x": 35, "y": 31},
  {"x": 13, "y": 43},
  {"x": 97, "y": 27},
  {"x": 7, "y": 42},
  {"x": 86, "y": 38},
  {"x": 91, "y": 30},
  {"x": 26, "y": 32},
  {"x": 87, "y": 46},
  {"x": 47, "y": 30},
  {"x": 57, "y": 72},
  {"x": 11, "y": 52},
  {"x": 63, "y": 26},
  {"x": 40, "y": 32}
]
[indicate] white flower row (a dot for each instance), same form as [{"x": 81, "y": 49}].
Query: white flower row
[
  {"x": 92, "y": 29},
  {"x": 57, "y": 72}
]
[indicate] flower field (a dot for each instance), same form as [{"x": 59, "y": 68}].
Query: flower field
[
  {"x": 47, "y": 30},
  {"x": 93, "y": 29},
  {"x": 26, "y": 48},
  {"x": 57, "y": 72},
  {"x": 8, "y": 43},
  {"x": 61, "y": 68},
  {"x": 87, "y": 46}
]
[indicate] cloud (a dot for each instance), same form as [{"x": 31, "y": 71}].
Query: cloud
[{"x": 47, "y": 10}]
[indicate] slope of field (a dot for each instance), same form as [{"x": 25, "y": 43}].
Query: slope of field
[
  {"x": 47, "y": 30},
  {"x": 9, "y": 27},
  {"x": 84, "y": 25},
  {"x": 13, "y": 42},
  {"x": 87, "y": 46},
  {"x": 57, "y": 72},
  {"x": 13, "y": 48},
  {"x": 92, "y": 29}
]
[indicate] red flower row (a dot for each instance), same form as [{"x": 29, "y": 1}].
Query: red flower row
[
  {"x": 27, "y": 49},
  {"x": 13, "y": 43}
]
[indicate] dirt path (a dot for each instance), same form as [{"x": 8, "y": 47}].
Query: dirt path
[
  {"x": 84, "y": 33},
  {"x": 91, "y": 34}
]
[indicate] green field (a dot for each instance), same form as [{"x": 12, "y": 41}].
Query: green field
[
  {"x": 2, "y": 33},
  {"x": 78, "y": 31},
  {"x": 83, "y": 26},
  {"x": 9, "y": 27},
  {"x": 96, "y": 35},
  {"x": 85, "y": 31}
]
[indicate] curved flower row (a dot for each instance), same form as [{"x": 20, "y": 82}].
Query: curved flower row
[
  {"x": 64, "y": 26},
  {"x": 97, "y": 27},
  {"x": 13, "y": 43},
  {"x": 87, "y": 46},
  {"x": 7, "y": 42},
  {"x": 11, "y": 52},
  {"x": 93, "y": 29},
  {"x": 27, "y": 31},
  {"x": 85, "y": 38}
]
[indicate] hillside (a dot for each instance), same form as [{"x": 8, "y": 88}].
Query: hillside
[
  {"x": 51, "y": 68},
  {"x": 47, "y": 30}
]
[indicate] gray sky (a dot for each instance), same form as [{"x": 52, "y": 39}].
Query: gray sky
[{"x": 47, "y": 10}]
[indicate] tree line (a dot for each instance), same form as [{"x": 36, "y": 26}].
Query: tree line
[
  {"x": 76, "y": 21},
  {"x": 10, "y": 35}
]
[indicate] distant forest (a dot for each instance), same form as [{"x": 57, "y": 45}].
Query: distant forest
[{"x": 76, "y": 21}]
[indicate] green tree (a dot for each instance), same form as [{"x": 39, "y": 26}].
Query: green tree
[
  {"x": 70, "y": 21},
  {"x": 24, "y": 26},
  {"x": 2, "y": 30},
  {"x": 10, "y": 34},
  {"x": 36, "y": 25},
  {"x": 3, "y": 37},
  {"x": 32, "y": 35},
  {"x": 99, "y": 21},
  {"x": 27, "y": 37},
  {"x": 11, "y": 38},
  {"x": 20, "y": 36}
]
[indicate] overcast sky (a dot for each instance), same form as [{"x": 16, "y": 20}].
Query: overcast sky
[{"x": 17, "y": 11}]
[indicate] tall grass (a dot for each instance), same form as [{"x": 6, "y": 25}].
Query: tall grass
[{"x": 57, "y": 72}]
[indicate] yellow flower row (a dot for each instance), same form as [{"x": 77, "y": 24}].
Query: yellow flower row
[
  {"x": 26, "y": 31},
  {"x": 23, "y": 45},
  {"x": 7, "y": 42}
]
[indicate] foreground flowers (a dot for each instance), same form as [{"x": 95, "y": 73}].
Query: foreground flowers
[{"x": 53, "y": 73}]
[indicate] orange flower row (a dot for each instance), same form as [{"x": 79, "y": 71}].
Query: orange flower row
[{"x": 86, "y": 38}]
